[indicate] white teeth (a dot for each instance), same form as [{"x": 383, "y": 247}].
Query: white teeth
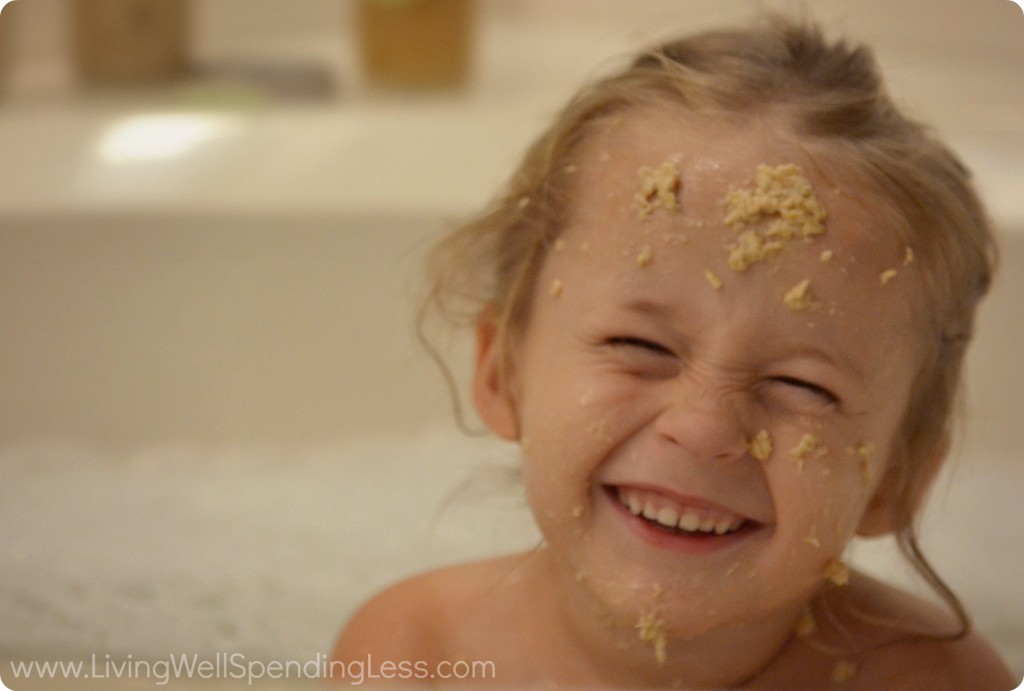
[
  {"x": 668, "y": 517},
  {"x": 690, "y": 521}
]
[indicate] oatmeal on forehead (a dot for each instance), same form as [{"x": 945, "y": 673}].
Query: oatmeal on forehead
[
  {"x": 757, "y": 203},
  {"x": 780, "y": 208}
]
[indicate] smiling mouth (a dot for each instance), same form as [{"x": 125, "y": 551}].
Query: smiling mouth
[{"x": 680, "y": 519}]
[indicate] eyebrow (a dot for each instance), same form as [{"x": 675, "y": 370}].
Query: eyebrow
[
  {"x": 836, "y": 358},
  {"x": 649, "y": 307},
  {"x": 839, "y": 360}
]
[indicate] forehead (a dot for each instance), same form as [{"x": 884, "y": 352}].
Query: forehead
[
  {"x": 858, "y": 268},
  {"x": 709, "y": 165},
  {"x": 712, "y": 156}
]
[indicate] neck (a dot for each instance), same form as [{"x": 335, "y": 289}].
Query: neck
[{"x": 620, "y": 648}]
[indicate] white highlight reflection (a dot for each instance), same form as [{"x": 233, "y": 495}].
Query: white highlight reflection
[{"x": 160, "y": 137}]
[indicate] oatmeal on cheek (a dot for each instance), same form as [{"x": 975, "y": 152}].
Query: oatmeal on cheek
[{"x": 708, "y": 399}]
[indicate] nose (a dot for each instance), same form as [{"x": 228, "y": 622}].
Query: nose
[{"x": 704, "y": 420}]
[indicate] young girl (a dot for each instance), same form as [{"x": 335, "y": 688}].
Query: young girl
[{"x": 722, "y": 307}]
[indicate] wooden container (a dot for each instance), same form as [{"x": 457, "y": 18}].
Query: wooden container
[
  {"x": 6, "y": 57},
  {"x": 130, "y": 41},
  {"x": 416, "y": 43}
]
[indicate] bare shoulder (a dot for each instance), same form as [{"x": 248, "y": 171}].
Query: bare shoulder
[
  {"x": 890, "y": 618},
  {"x": 420, "y": 618},
  {"x": 969, "y": 663},
  {"x": 394, "y": 623}
]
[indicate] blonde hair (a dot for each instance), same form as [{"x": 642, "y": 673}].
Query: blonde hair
[{"x": 827, "y": 95}]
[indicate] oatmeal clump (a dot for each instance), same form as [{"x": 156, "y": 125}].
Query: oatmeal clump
[
  {"x": 659, "y": 187},
  {"x": 806, "y": 626},
  {"x": 799, "y": 297},
  {"x": 837, "y": 572},
  {"x": 761, "y": 445},
  {"x": 651, "y": 629},
  {"x": 783, "y": 203},
  {"x": 864, "y": 454},
  {"x": 844, "y": 671},
  {"x": 808, "y": 447}
]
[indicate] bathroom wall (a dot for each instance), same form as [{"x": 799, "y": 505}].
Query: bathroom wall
[{"x": 259, "y": 285}]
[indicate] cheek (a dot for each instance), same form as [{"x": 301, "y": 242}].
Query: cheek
[
  {"x": 567, "y": 437},
  {"x": 581, "y": 418},
  {"x": 561, "y": 448},
  {"x": 842, "y": 510},
  {"x": 822, "y": 493}
]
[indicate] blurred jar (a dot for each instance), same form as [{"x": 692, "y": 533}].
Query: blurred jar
[
  {"x": 130, "y": 41},
  {"x": 416, "y": 43},
  {"x": 6, "y": 54}
]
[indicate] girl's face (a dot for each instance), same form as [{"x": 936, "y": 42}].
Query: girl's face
[{"x": 748, "y": 421}]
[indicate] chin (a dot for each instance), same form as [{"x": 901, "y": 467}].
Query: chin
[{"x": 689, "y": 596}]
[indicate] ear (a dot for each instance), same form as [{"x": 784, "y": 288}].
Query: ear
[
  {"x": 491, "y": 392},
  {"x": 883, "y": 515}
]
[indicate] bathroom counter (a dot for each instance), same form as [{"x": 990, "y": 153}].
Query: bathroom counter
[{"x": 280, "y": 146}]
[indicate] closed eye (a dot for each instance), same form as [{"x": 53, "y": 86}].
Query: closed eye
[
  {"x": 810, "y": 387},
  {"x": 642, "y": 343}
]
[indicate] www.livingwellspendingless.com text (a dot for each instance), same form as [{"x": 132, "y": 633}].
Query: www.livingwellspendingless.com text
[{"x": 238, "y": 667}]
